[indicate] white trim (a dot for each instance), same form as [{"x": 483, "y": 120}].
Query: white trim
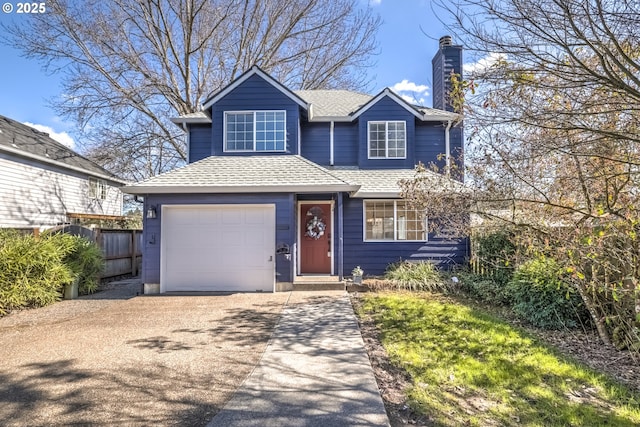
[
  {"x": 386, "y": 139},
  {"x": 395, "y": 222},
  {"x": 299, "y": 233},
  {"x": 447, "y": 149},
  {"x": 388, "y": 92},
  {"x": 224, "y": 131},
  {"x": 195, "y": 120},
  {"x": 299, "y": 153},
  {"x": 164, "y": 208},
  {"x": 331, "y": 144},
  {"x": 255, "y": 70},
  {"x": 206, "y": 189}
]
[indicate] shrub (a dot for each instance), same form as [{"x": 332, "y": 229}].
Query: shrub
[
  {"x": 484, "y": 289},
  {"x": 415, "y": 276},
  {"x": 84, "y": 259},
  {"x": 495, "y": 253},
  {"x": 32, "y": 271},
  {"x": 541, "y": 297}
]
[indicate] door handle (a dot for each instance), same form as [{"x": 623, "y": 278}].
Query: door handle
[{"x": 271, "y": 258}]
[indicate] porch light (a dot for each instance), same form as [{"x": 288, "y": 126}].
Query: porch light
[{"x": 151, "y": 212}]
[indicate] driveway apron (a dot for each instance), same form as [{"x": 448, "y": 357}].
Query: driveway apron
[{"x": 314, "y": 372}]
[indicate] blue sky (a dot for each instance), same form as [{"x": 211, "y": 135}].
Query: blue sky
[{"x": 407, "y": 39}]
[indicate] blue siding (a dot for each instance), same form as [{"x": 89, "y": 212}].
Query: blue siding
[
  {"x": 374, "y": 257},
  {"x": 285, "y": 226},
  {"x": 315, "y": 142},
  {"x": 199, "y": 142},
  {"x": 255, "y": 94},
  {"x": 430, "y": 143},
  {"x": 456, "y": 139},
  {"x": 386, "y": 109},
  {"x": 345, "y": 144}
]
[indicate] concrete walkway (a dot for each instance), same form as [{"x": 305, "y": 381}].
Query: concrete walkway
[{"x": 314, "y": 372}]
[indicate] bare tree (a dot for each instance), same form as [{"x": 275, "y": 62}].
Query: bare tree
[
  {"x": 130, "y": 65},
  {"x": 553, "y": 139}
]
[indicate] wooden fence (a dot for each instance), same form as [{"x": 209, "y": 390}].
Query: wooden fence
[{"x": 122, "y": 249}]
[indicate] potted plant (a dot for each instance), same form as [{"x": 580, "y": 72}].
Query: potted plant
[{"x": 356, "y": 275}]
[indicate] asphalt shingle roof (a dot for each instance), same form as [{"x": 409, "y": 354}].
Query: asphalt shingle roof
[
  {"x": 262, "y": 173},
  {"x": 333, "y": 103},
  {"x": 28, "y": 142}
]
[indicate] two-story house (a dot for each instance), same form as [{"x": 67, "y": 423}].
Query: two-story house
[{"x": 283, "y": 184}]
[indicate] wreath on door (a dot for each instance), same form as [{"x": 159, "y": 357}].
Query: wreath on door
[{"x": 315, "y": 227}]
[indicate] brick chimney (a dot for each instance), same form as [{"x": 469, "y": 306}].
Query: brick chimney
[{"x": 448, "y": 58}]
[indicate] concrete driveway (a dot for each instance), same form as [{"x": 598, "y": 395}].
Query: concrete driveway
[{"x": 117, "y": 359}]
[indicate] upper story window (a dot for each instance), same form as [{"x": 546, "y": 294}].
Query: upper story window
[
  {"x": 255, "y": 131},
  {"x": 387, "y": 140},
  {"x": 393, "y": 220},
  {"x": 97, "y": 189}
]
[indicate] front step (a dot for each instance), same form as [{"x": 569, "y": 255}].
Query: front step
[{"x": 318, "y": 283}]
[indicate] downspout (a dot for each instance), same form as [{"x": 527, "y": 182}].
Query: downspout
[
  {"x": 186, "y": 130},
  {"x": 331, "y": 144},
  {"x": 447, "y": 149}
]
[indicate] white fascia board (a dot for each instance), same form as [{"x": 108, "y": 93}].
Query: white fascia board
[
  {"x": 331, "y": 119},
  {"x": 189, "y": 189},
  {"x": 184, "y": 120},
  {"x": 62, "y": 165},
  {"x": 375, "y": 194},
  {"x": 253, "y": 71}
]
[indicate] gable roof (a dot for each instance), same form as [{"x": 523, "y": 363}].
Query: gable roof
[
  {"x": 25, "y": 141},
  {"x": 255, "y": 70},
  {"x": 245, "y": 174}
]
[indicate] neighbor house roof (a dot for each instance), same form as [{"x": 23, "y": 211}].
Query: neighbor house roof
[
  {"x": 24, "y": 141},
  {"x": 245, "y": 174}
]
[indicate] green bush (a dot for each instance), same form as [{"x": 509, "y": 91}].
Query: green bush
[
  {"x": 540, "y": 296},
  {"x": 496, "y": 252},
  {"x": 84, "y": 259},
  {"x": 484, "y": 289},
  {"x": 416, "y": 276},
  {"x": 32, "y": 270}
]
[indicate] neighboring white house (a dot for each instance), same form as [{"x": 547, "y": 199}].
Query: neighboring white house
[{"x": 44, "y": 183}]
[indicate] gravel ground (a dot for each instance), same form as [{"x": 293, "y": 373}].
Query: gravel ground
[{"x": 115, "y": 358}]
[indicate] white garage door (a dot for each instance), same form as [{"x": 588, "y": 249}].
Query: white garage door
[{"x": 218, "y": 248}]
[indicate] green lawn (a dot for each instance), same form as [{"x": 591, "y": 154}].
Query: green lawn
[{"x": 470, "y": 368}]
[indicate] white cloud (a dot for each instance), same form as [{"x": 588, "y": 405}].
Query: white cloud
[
  {"x": 407, "y": 86},
  {"x": 375, "y": 2},
  {"x": 483, "y": 63},
  {"x": 411, "y": 92},
  {"x": 62, "y": 137}
]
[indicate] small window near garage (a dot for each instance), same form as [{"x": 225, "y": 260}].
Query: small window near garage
[
  {"x": 255, "y": 131},
  {"x": 393, "y": 220},
  {"x": 97, "y": 189},
  {"x": 387, "y": 140}
]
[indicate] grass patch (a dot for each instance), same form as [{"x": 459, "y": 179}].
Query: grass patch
[
  {"x": 470, "y": 368},
  {"x": 415, "y": 276}
]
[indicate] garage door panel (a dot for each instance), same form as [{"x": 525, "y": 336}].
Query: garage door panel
[{"x": 212, "y": 247}]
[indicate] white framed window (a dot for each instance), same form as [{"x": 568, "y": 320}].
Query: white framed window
[
  {"x": 393, "y": 220},
  {"x": 255, "y": 130},
  {"x": 387, "y": 140},
  {"x": 97, "y": 189}
]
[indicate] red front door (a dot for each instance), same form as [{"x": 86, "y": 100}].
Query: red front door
[{"x": 315, "y": 238}]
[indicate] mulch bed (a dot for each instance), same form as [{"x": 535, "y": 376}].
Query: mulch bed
[{"x": 583, "y": 346}]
